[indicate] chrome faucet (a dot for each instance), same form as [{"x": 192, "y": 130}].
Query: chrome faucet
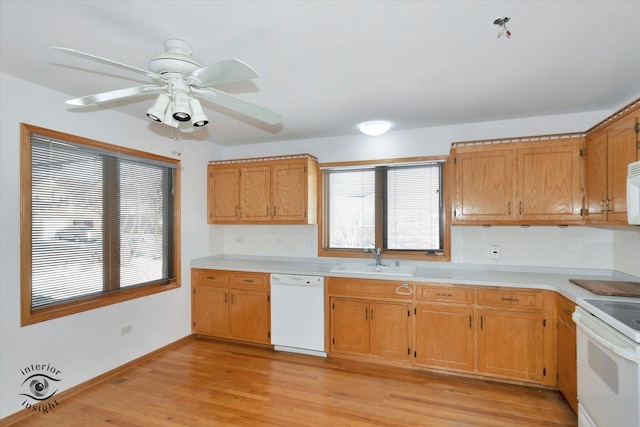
[{"x": 377, "y": 252}]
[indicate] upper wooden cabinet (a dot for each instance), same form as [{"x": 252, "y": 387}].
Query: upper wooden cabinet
[
  {"x": 522, "y": 182},
  {"x": 263, "y": 191},
  {"x": 609, "y": 149}
]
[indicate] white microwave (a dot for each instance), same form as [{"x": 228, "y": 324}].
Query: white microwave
[{"x": 633, "y": 193}]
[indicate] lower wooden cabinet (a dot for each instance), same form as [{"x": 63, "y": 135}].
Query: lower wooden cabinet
[
  {"x": 370, "y": 319},
  {"x": 511, "y": 344},
  {"x": 379, "y": 329},
  {"x": 516, "y": 334},
  {"x": 444, "y": 336},
  {"x": 567, "y": 352},
  {"x": 232, "y": 305}
]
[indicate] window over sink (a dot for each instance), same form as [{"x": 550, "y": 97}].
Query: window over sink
[{"x": 398, "y": 206}]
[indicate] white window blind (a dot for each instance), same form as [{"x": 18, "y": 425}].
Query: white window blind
[
  {"x": 409, "y": 198},
  {"x": 100, "y": 221}
]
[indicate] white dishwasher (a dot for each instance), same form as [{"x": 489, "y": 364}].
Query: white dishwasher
[{"x": 297, "y": 314}]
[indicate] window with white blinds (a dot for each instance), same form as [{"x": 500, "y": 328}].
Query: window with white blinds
[
  {"x": 395, "y": 207},
  {"x": 100, "y": 221}
]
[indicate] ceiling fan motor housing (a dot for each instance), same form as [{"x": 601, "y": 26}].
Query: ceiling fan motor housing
[{"x": 176, "y": 59}]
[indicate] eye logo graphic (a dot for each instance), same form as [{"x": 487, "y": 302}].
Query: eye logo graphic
[{"x": 39, "y": 387}]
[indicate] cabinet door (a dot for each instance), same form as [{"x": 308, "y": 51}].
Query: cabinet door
[
  {"x": 549, "y": 181},
  {"x": 349, "y": 326},
  {"x": 511, "y": 344},
  {"x": 567, "y": 363},
  {"x": 250, "y": 315},
  {"x": 621, "y": 151},
  {"x": 483, "y": 186},
  {"x": 211, "y": 311},
  {"x": 223, "y": 200},
  {"x": 596, "y": 176},
  {"x": 444, "y": 336},
  {"x": 289, "y": 192},
  {"x": 255, "y": 194},
  {"x": 389, "y": 330}
]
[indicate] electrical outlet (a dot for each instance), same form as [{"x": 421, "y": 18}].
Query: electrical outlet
[
  {"x": 125, "y": 330},
  {"x": 239, "y": 240},
  {"x": 278, "y": 241},
  {"x": 309, "y": 243},
  {"x": 494, "y": 252}
]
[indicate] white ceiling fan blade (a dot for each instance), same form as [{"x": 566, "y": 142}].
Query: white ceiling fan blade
[
  {"x": 240, "y": 105},
  {"x": 110, "y": 62},
  {"x": 231, "y": 70},
  {"x": 116, "y": 94}
]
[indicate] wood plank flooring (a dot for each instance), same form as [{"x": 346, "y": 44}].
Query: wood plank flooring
[{"x": 210, "y": 383}]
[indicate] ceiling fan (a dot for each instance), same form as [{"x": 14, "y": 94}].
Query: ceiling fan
[{"x": 179, "y": 79}]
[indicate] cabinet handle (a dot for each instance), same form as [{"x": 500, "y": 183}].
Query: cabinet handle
[
  {"x": 567, "y": 311},
  {"x": 274, "y": 211},
  {"x": 225, "y": 297},
  {"x": 470, "y": 322},
  {"x": 509, "y": 208},
  {"x": 248, "y": 280},
  {"x": 404, "y": 289},
  {"x": 267, "y": 211},
  {"x": 608, "y": 205},
  {"x": 372, "y": 314},
  {"x": 235, "y": 211},
  {"x": 520, "y": 208},
  {"x": 211, "y": 277},
  {"x": 481, "y": 322},
  {"x": 602, "y": 206},
  {"x": 510, "y": 299},
  {"x": 366, "y": 314},
  {"x": 231, "y": 298},
  {"x": 443, "y": 295}
]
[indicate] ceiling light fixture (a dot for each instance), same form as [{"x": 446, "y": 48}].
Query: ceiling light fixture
[
  {"x": 502, "y": 23},
  {"x": 178, "y": 110},
  {"x": 375, "y": 128}
]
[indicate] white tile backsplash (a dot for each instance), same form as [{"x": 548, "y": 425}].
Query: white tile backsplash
[
  {"x": 271, "y": 240},
  {"x": 540, "y": 246},
  {"x": 626, "y": 250}
]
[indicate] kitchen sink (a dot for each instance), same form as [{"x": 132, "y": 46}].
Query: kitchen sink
[{"x": 348, "y": 267}]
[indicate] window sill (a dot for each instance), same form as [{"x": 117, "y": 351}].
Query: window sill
[
  {"x": 401, "y": 255},
  {"x": 90, "y": 303}
]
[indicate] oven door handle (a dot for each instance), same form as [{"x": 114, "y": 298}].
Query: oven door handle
[{"x": 591, "y": 329}]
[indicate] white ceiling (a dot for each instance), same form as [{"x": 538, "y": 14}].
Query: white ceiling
[{"x": 329, "y": 65}]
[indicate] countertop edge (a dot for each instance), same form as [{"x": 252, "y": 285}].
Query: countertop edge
[{"x": 552, "y": 279}]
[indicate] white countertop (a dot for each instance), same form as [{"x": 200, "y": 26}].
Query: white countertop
[{"x": 555, "y": 279}]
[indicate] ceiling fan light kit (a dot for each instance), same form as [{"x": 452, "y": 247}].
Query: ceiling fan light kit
[{"x": 179, "y": 78}]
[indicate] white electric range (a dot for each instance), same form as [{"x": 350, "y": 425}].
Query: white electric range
[{"x": 608, "y": 338}]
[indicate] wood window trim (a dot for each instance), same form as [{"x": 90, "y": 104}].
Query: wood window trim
[
  {"x": 445, "y": 256},
  {"x": 29, "y": 316}
]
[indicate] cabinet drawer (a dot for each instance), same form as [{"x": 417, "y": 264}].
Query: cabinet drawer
[
  {"x": 370, "y": 288},
  {"x": 213, "y": 277},
  {"x": 250, "y": 280},
  {"x": 445, "y": 293},
  {"x": 565, "y": 310},
  {"x": 532, "y": 300}
]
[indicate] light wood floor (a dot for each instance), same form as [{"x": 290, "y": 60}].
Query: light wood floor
[{"x": 210, "y": 383}]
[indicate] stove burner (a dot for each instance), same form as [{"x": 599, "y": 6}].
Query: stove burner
[{"x": 620, "y": 306}]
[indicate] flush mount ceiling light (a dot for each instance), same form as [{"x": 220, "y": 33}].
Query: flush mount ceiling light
[{"x": 375, "y": 128}]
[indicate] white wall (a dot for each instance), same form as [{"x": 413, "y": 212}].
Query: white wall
[
  {"x": 88, "y": 344},
  {"x": 572, "y": 247}
]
